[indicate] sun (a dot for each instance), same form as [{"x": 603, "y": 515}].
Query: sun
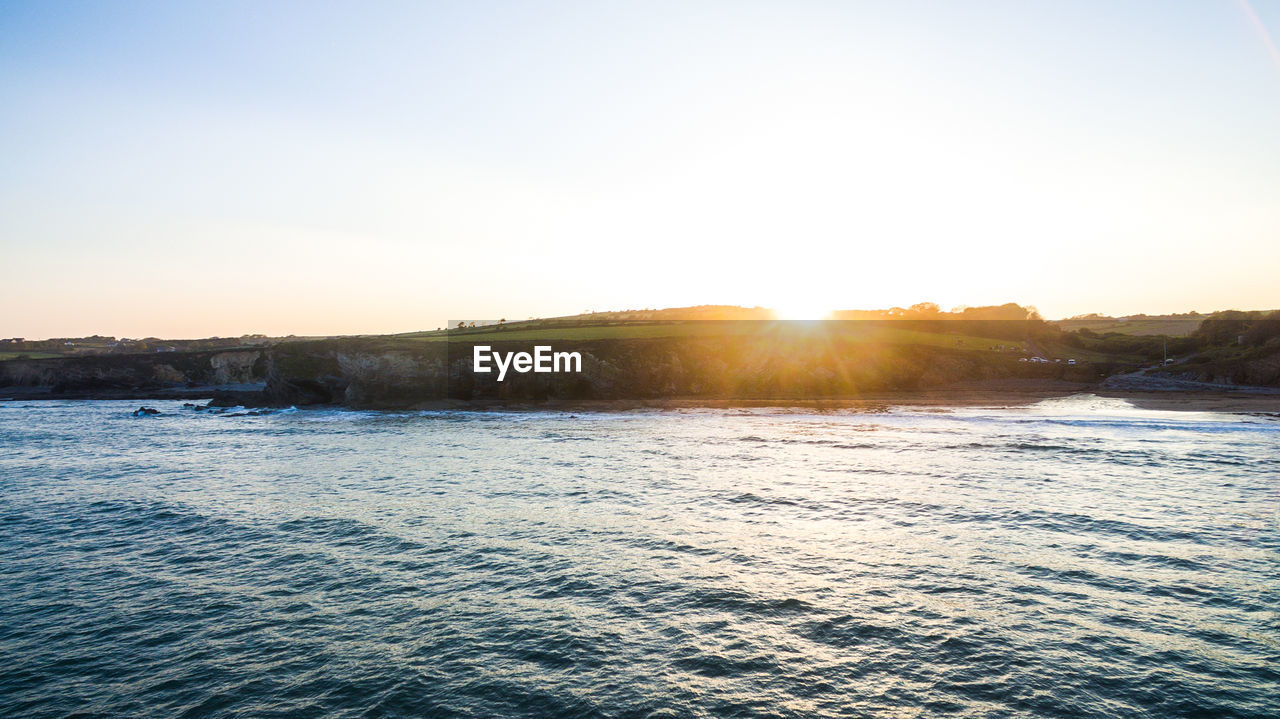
[{"x": 802, "y": 311}]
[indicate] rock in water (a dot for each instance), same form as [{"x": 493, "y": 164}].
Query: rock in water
[{"x": 145, "y": 412}]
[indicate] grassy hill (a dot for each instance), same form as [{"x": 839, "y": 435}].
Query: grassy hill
[
  {"x": 958, "y": 336},
  {"x": 1177, "y": 325}
]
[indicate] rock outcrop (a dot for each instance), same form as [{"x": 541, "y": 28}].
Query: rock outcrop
[
  {"x": 379, "y": 373},
  {"x": 137, "y": 375},
  {"x": 395, "y": 372},
  {"x": 1257, "y": 368}
]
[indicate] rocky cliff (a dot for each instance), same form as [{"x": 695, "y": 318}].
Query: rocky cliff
[
  {"x": 132, "y": 375},
  {"x": 400, "y": 373},
  {"x": 378, "y": 373},
  {"x": 1259, "y": 368}
]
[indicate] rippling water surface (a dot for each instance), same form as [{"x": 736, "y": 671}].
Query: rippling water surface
[{"x": 1075, "y": 558}]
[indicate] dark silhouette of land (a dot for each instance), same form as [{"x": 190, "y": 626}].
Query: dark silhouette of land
[{"x": 700, "y": 355}]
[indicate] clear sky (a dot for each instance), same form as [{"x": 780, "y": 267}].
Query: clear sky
[{"x": 195, "y": 169}]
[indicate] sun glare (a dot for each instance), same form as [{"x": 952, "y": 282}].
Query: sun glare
[{"x": 802, "y": 312}]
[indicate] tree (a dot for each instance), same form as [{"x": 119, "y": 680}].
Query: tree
[
  {"x": 926, "y": 309},
  {"x": 1263, "y": 330}
]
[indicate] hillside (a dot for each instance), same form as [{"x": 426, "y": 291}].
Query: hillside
[
  {"x": 680, "y": 353},
  {"x": 1175, "y": 325},
  {"x": 715, "y": 359}
]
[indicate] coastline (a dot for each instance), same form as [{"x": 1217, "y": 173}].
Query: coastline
[{"x": 1006, "y": 393}]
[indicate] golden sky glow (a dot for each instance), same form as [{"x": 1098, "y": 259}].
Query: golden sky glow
[{"x": 178, "y": 172}]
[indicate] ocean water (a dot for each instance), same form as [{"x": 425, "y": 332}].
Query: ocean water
[{"x": 1074, "y": 558}]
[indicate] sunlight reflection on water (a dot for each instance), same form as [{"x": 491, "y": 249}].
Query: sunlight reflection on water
[{"x": 1078, "y": 557}]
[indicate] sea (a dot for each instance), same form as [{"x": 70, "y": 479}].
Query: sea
[{"x": 1076, "y": 557}]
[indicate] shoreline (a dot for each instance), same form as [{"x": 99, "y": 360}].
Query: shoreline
[{"x": 1197, "y": 400}]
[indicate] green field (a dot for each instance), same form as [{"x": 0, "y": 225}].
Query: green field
[
  {"x": 1059, "y": 350},
  {"x": 865, "y": 332},
  {"x": 27, "y": 355},
  {"x": 1170, "y": 325}
]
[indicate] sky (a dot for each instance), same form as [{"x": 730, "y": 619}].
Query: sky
[{"x": 199, "y": 169}]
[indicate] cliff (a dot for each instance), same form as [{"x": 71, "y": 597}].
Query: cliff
[
  {"x": 138, "y": 375},
  {"x": 1258, "y": 367},
  {"x": 729, "y": 362},
  {"x": 386, "y": 374}
]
